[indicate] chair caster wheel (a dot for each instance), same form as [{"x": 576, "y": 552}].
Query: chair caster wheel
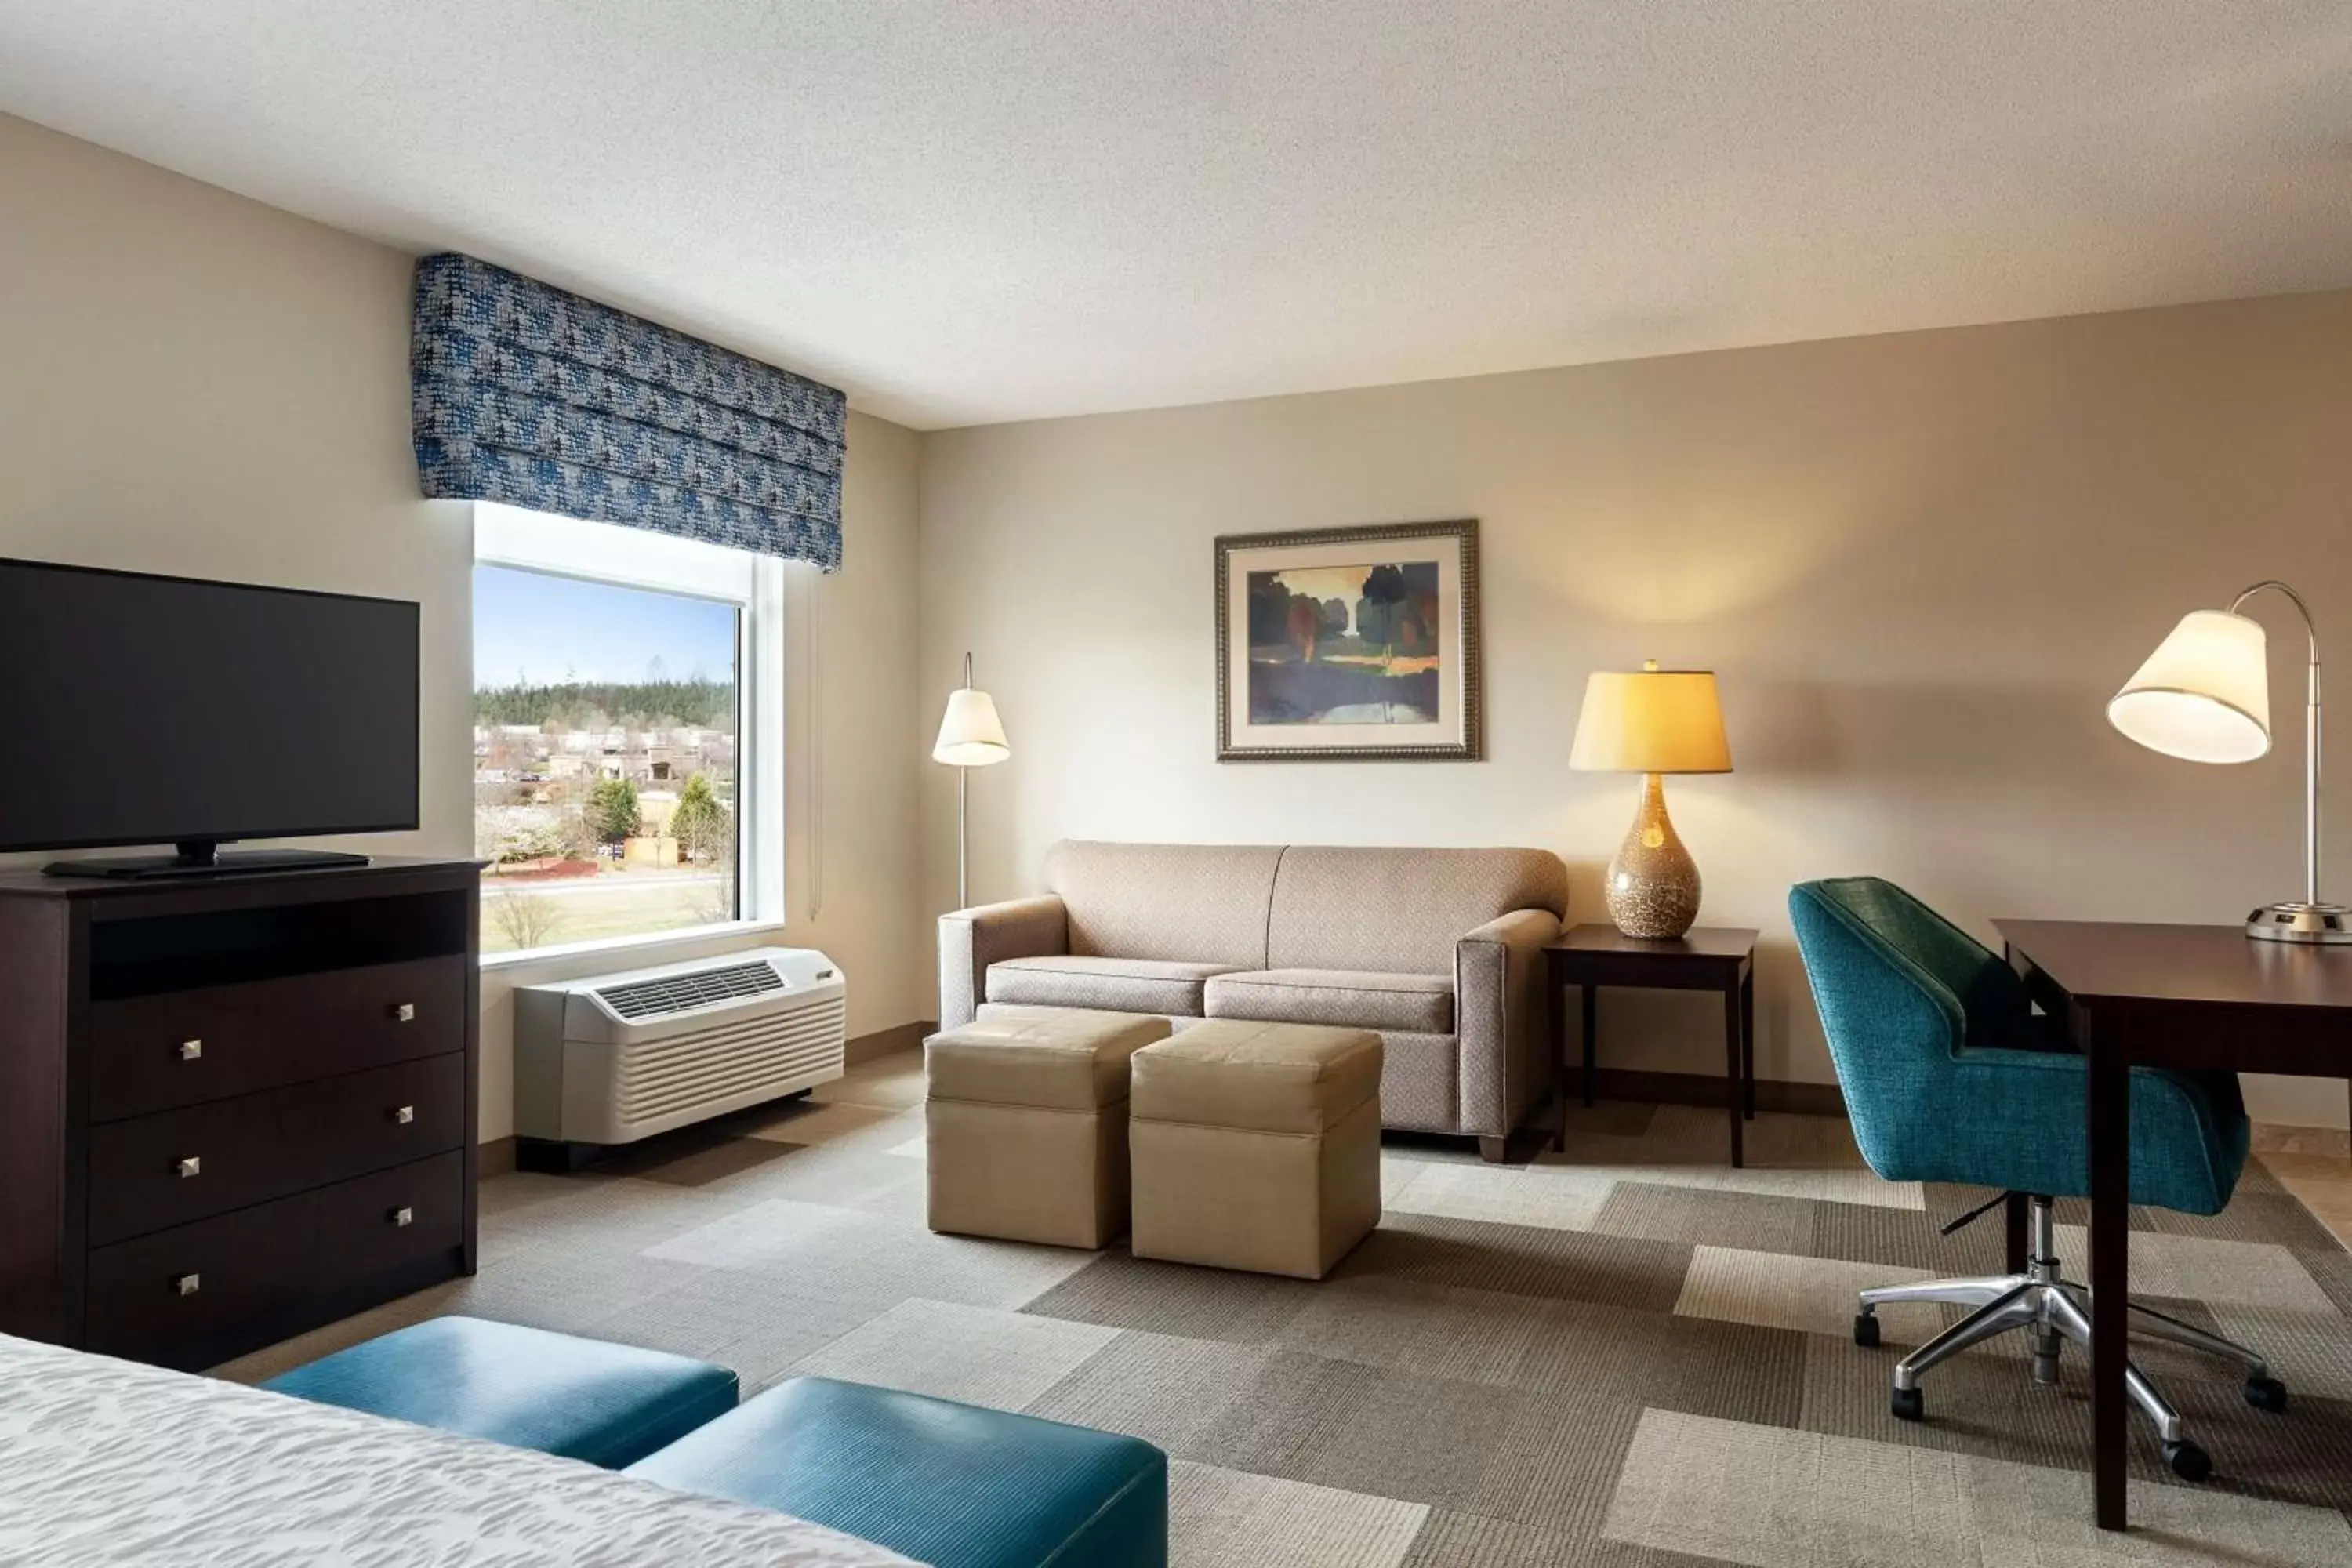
[
  {"x": 1865, "y": 1332},
  {"x": 1908, "y": 1405},
  {"x": 2188, "y": 1461},
  {"x": 2266, "y": 1394}
]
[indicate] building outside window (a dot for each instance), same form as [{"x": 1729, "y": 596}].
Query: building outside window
[{"x": 616, "y": 720}]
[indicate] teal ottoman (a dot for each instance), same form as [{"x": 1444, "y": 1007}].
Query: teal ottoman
[
  {"x": 584, "y": 1399},
  {"x": 951, "y": 1485}
]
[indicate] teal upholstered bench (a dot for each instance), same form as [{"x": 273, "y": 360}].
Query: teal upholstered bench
[
  {"x": 584, "y": 1399},
  {"x": 951, "y": 1485}
]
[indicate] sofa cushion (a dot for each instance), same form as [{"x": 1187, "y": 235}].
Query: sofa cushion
[
  {"x": 1205, "y": 903},
  {"x": 1106, "y": 985},
  {"x": 951, "y": 1485},
  {"x": 1053, "y": 1058},
  {"x": 1398, "y": 910},
  {"x": 527, "y": 1388},
  {"x": 1266, "y": 1077},
  {"x": 1355, "y": 999}
]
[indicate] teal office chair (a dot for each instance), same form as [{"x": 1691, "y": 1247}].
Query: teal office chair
[{"x": 1951, "y": 1075}]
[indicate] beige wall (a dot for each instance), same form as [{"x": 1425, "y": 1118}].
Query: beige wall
[
  {"x": 1920, "y": 563},
  {"x": 194, "y": 383},
  {"x": 190, "y": 382}
]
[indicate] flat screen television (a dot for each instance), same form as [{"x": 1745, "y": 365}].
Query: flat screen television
[{"x": 147, "y": 709}]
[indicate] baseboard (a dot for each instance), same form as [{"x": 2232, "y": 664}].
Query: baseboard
[
  {"x": 887, "y": 1042},
  {"x": 495, "y": 1158},
  {"x": 1708, "y": 1088}
]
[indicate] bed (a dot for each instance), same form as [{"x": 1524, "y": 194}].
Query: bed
[{"x": 113, "y": 1462}]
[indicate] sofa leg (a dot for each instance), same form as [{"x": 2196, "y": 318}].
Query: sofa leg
[{"x": 1492, "y": 1149}]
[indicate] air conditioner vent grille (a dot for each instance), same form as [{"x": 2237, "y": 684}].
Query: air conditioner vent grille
[{"x": 645, "y": 999}]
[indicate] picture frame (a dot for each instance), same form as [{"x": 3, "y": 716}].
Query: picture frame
[{"x": 1349, "y": 645}]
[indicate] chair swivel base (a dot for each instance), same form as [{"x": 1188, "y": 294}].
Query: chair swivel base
[{"x": 2054, "y": 1312}]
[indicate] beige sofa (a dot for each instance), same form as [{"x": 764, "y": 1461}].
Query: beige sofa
[{"x": 1438, "y": 951}]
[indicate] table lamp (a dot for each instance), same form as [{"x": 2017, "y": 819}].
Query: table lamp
[
  {"x": 1651, "y": 721},
  {"x": 2204, "y": 695},
  {"x": 970, "y": 736}
]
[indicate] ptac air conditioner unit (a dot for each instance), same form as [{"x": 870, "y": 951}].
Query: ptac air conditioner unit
[{"x": 617, "y": 1058}]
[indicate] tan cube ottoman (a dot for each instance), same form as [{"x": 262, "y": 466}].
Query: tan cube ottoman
[
  {"x": 1025, "y": 1119},
  {"x": 1255, "y": 1145}
]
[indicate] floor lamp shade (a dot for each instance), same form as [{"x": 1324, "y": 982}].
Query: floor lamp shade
[
  {"x": 971, "y": 735},
  {"x": 2204, "y": 695},
  {"x": 1651, "y": 722}
]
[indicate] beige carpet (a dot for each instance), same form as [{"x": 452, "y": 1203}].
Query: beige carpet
[{"x": 1633, "y": 1357}]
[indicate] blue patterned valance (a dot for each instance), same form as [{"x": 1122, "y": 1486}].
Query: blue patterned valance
[{"x": 523, "y": 394}]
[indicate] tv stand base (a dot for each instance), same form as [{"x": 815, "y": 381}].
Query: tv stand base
[{"x": 204, "y": 860}]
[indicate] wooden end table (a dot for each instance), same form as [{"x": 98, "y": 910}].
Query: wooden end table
[{"x": 1704, "y": 958}]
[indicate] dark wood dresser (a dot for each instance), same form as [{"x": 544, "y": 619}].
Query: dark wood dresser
[{"x": 235, "y": 1109}]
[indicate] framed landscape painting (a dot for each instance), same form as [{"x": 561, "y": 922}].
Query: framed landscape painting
[{"x": 1348, "y": 644}]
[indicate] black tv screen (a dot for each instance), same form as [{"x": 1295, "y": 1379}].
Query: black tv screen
[{"x": 141, "y": 710}]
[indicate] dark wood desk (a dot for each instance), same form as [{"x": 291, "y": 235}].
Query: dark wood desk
[
  {"x": 1704, "y": 958},
  {"x": 2199, "y": 998}
]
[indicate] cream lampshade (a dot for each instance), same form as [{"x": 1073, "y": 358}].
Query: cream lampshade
[
  {"x": 1651, "y": 721},
  {"x": 970, "y": 736},
  {"x": 2204, "y": 695}
]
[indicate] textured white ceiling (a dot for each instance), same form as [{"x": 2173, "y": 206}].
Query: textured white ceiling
[{"x": 986, "y": 211}]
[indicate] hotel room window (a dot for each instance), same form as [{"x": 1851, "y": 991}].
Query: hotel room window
[{"x": 617, "y": 728}]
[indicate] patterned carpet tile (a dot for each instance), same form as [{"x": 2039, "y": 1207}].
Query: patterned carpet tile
[
  {"x": 864, "y": 1257},
  {"x": 1453, "y": 1540},
  {"x": 1741, "y": 1372},
  {"x": 1986, "y": 1404},
  {"x": 813, "y": 1121},
  {"x": 1128, "y": 1292},
  {"x": 1630, "y": 1356},
  {"x": 2256, "y": 1216},
  {"x": 2311, "y": 1351},
  {"x": 1554, "y": 1197},
  {"x": 1903, "y": 1238},
  {"x": 1218, "y": 1518},
  {"x": 1436, "y": 1331},
  {"x": 695, "y": 1156},
  {"x": 1705, "y": 1218},
  {"x": 947, "y": 1350},
  {"x": 1167, "y": 1391},
  {"x": 1526, "y": 1260},
  {"x": 1813, "y": 1295},
  {"x": 1773, "y": 1498},
  {"x": 2330, "y": 1267},
  {"x": 2206, "y": 1268}
]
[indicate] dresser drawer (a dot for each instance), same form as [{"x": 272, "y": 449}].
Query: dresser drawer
[
  {"x": 151, "y": 1173},
  {"x": 185, "y": 1048},
  {"x": 150, "y": 1299}
]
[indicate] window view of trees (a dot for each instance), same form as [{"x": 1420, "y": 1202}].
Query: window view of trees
[{"x": 604, "y": 808}]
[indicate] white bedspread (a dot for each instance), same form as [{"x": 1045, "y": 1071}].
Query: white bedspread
[{"x": 107, "y": 1461}]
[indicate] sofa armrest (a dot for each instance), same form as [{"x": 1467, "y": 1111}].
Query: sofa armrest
[
  {"x": 970, "y": 940},
  {"x": 1505, "y": 1062}
]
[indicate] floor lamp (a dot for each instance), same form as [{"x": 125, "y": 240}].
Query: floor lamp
[{"x": 970, "y": 736}]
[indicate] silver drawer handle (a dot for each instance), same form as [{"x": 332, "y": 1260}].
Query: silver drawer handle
[
  {"x": 186, "y": 1284},
  {"x": 404, "y": 1014},
  {"x": 404, "y": 1114},
  {"x": 402, "y": 1215},
  {"x": 191, "y": 1050},
  {"x": 191, "y": 1166}
]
